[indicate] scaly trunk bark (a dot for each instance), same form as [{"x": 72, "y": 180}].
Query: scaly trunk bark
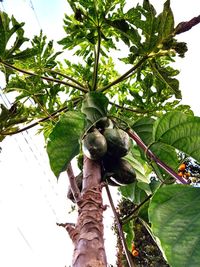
[{"x": 87, "y": 235}]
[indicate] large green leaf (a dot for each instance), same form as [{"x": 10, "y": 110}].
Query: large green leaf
[
  {"x": 180, "y": 131},
  {"x": 143, "y": 127},
  {"x": 63, "y": 144},
  {"x": 165, "y": 77},
  {"x": 175, "y": 219},
  {"x": 94, "y": 106},
  {"x": 167, "y": 154},
  {"x": 134, "y": 192},
  {"x": 141, "y": 172},
  {"x": 166, "y": 22}
]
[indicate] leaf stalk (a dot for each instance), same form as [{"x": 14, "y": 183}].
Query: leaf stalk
[
  {"x": 124, "y": 76},
  {"x": 75, "y": 86},
  {"x": 152, "y": 156}
]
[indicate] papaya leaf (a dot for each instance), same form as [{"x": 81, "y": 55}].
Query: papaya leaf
[
  {"x": 144, "y": 127},
  {"x": 165, "y": 76},
  {"x": 180, "y": 131},
  {"x": 128, "y": 191},
  {"x": 139, "y": 168},
  {"x": 174, "y": 215},
  {"x": 9, "y": 27},
  {"x": 167, "y": 154},
  {"x": 129, "y": 233},
  {"x": 63, "y": 144},
  {"x": 94, "y": 106},
  {"x": 133, "y": 192},
  {"x": 166, "y": 22},
  {"x": 11, "y": 117}
]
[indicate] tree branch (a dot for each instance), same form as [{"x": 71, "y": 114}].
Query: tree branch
[
  {"x": 75, "y": 86},
  {"x": 132, "y": 212},
  {"x": 124, "y": 76},
  {"x": 71, "y": 229},
  {"x": 151, "y": 155},
  {"x": 72, "y": 181},
  {"x": 132, "y": 110},
  {"x": 52, "y": 115},
  {"x": 65, "y": 76},
  {"x": 119, "y": 227}
]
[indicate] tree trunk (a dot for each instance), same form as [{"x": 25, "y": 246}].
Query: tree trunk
[{"x": 87, "y": 235}]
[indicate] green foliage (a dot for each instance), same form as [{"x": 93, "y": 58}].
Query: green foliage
[
  {"x": 146, "y": 96},
  {"x": 144, "y": 127},
  {"x": 12, "y": 38},
  {"x": 10, "y": 118},
  {"x": 8, "y": 28},
  {"x": 129, "y": 234},
  {"x": 63, "y": 144},
  {"x": 180, "y": 131},
  {"x": 94, "y": 106},
  {"x": 174, "y": 215}
]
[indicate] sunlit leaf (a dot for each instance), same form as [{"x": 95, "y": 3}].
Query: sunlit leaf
[
  {"x": 180, "y": 131},
  {"x": 63, "y": 144}
]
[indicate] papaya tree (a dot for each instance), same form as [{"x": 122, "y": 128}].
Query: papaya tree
[{"x": 124, "y": 128}]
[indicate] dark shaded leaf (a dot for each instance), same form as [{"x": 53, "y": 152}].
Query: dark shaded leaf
[
  {"x": 174, "y": 215},
  {"x": 144, "y": 127},
  {"x": 94, "y": 106}
]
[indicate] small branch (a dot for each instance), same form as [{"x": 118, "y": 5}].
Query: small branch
[
  {"x": 132, "y": 110},
  {"x": 119, "y": 227},
  {"x": 165, "y": 167},
  {"x": 65, "y": 76},
  {"x": 97, "y": 55},
  {"x": 131, "y": 214},
  {"x": 71, "y": 229},
  {"x": 72, "y": 181},
  {"x": 125, "y": 75},
  {"x": 54, "y": 114},
  {"x": 187, "y": 25},
  {"x": 82, "y": 89}
]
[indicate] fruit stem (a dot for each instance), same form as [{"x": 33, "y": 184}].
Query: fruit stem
[{"x": 152, "y": 156}]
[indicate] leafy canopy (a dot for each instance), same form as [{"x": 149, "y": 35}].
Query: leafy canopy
[{"x": 138, "y": 90}]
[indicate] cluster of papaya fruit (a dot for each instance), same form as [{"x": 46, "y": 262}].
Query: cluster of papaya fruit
[{"x": 108, "y": 144}]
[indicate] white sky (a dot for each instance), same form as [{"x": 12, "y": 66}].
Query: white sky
[{"x": 31, "y": 200}]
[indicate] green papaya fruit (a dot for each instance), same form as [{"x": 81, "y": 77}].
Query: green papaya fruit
[
  {"x": 118, "y": 142},
  {"x": 94, "y": 145},
  {"x": 79, "y": 179},
  {"x": 119, "y": 170},
  {"x": 104, "y": 123}
]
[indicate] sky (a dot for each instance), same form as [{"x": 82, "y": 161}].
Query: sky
[{"x": 31, "y": 199}]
